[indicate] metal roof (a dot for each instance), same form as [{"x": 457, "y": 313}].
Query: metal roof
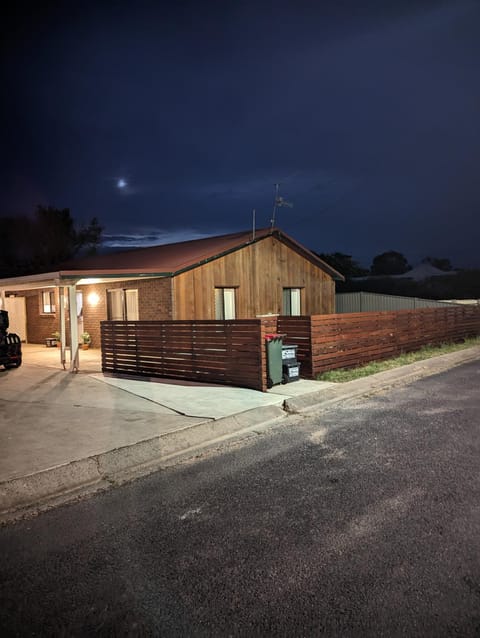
[{"x": 168, "y": 260}]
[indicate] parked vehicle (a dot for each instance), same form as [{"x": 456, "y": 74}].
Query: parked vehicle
[{"x": 10, "y": 344}]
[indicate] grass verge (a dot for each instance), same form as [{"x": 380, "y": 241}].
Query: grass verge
[{"x": 342, "y": 375}]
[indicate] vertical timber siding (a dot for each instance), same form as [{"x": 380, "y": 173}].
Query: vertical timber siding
[{"x": 258, "y": 272}]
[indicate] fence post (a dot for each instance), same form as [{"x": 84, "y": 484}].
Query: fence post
[
  {"x": 312, "y": 372},
  {"x": 137, "y": 358},
  {"x": 263, "y": 358}
]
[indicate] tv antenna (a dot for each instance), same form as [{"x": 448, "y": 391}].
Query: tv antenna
[{"x": 278, "y": 201}]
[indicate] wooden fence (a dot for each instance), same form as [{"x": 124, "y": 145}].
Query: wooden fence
[
  {"x": 234, "y": 353},
  {"x": 328, "y": 342},
  {"x": 229, "y": 352}
]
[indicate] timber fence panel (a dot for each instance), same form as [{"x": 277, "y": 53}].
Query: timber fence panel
[
  {"x": 328, "y": 342},
  {"x": 298, "y": 332},
  {"x": 229, "y": 352}
]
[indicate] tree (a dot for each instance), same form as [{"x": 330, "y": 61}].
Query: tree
[
  {"x": 56, "y": 238},
  {"x": 44, "y": 241},
  {"x": 344, "y": 264},
  {"x": 389, "y": 263},
  {"x": 442, "y": 263},
  {"x": 89, "y": 237}
]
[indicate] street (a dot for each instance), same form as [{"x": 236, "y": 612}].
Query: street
[{"x": 363, "y": 520}]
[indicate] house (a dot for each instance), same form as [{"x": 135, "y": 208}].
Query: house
[
  {"x": 424, "y": 271},
  {"x": 421, "y": 272},
  {"x": 237, "y": 276}
]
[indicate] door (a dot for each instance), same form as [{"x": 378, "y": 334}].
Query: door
[{"x": 17, "y": 316}]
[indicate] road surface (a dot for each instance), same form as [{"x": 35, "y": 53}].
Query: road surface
[{"x": 360, "y": 521}]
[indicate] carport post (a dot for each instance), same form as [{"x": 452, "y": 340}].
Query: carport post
[
  {"x": 63, "y": 332},
  {"x": 72, "y": 305}
]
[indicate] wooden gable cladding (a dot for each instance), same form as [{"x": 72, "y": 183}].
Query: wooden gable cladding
[{"x": 259, "y": 272}]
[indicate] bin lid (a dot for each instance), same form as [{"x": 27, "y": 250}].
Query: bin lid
[{"x": 273, "y": 335}]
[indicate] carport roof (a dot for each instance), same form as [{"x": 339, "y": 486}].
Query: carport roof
[{"x": 165, "y": 260}]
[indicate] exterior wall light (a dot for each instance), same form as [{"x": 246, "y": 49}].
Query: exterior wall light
[{"x": 93, "y": 298}]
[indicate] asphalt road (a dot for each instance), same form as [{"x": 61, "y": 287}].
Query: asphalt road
[{"x": 361, "y": 521}]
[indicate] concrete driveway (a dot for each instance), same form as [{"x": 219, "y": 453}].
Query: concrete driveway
[
  {"x": 51, "y": 417},
  {"x": 39, "y": 355}
]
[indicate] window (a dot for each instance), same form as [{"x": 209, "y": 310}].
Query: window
[
  {"x": 224, "y": 303},
  {"x": 131, "y": 305},
  {"x": 291, "y": 301},
  {"x": 48, "y": 302},
  {"x": 122, "y": 305}
]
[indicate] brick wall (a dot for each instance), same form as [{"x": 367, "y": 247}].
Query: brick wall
[
  {"x": 39, "y": 326},
  {"x": 93, "y": 313},
  {"x": 155, "y": 299},
  {"x": 154, "y": 302}
]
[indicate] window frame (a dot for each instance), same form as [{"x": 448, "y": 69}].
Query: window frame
[
  {"x": 51, "y": 305},
  {"x": 123, "y": 302},
  {"x": 289, "y": 304},
  {"x": 219, "y": 295}
]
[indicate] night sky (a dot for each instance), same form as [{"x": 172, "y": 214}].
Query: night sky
[{"x": 172, "y": 121}]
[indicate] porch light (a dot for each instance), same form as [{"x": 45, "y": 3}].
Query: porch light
[{"x": 93, "y": 298}]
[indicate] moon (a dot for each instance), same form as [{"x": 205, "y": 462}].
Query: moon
[{"x": 121, "y": 183}]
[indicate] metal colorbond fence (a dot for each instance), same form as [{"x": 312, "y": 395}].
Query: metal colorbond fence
[
  {"x": 229, "y": 352},
  {"x": 328, "y": 342},
  {"x": 346, "y": 302}
]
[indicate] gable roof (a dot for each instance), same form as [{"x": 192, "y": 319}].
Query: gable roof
[
  {"x": 172, "y": 259},
  {"x": 166, "y": 260}
]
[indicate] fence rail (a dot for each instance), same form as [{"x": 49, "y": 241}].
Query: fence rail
[
  {"x": 229, "y": 352},
  {"x": 234, "y": 353},
  {"x": 328, "y": 342}
]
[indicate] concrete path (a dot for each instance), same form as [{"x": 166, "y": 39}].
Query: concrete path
[
  {"x": 64, "y": 435},
  {"x": 208, "y": 401}
]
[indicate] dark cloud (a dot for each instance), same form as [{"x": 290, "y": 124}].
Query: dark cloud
[{"x": 367, "y": 113}]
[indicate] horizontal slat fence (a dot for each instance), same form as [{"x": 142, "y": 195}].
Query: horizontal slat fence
[
  {"x": 328, "y": 342},
  {"x": 298, "y": 332},
  {"x": 233, "y": 352},
  {"x": 229, "y": 352}
]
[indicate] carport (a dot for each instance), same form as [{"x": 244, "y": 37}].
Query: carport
[
  {"x": 38, "y": 355},
  {"x": 67, "y": 286},
  {"x": 67, "y": 289}
]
